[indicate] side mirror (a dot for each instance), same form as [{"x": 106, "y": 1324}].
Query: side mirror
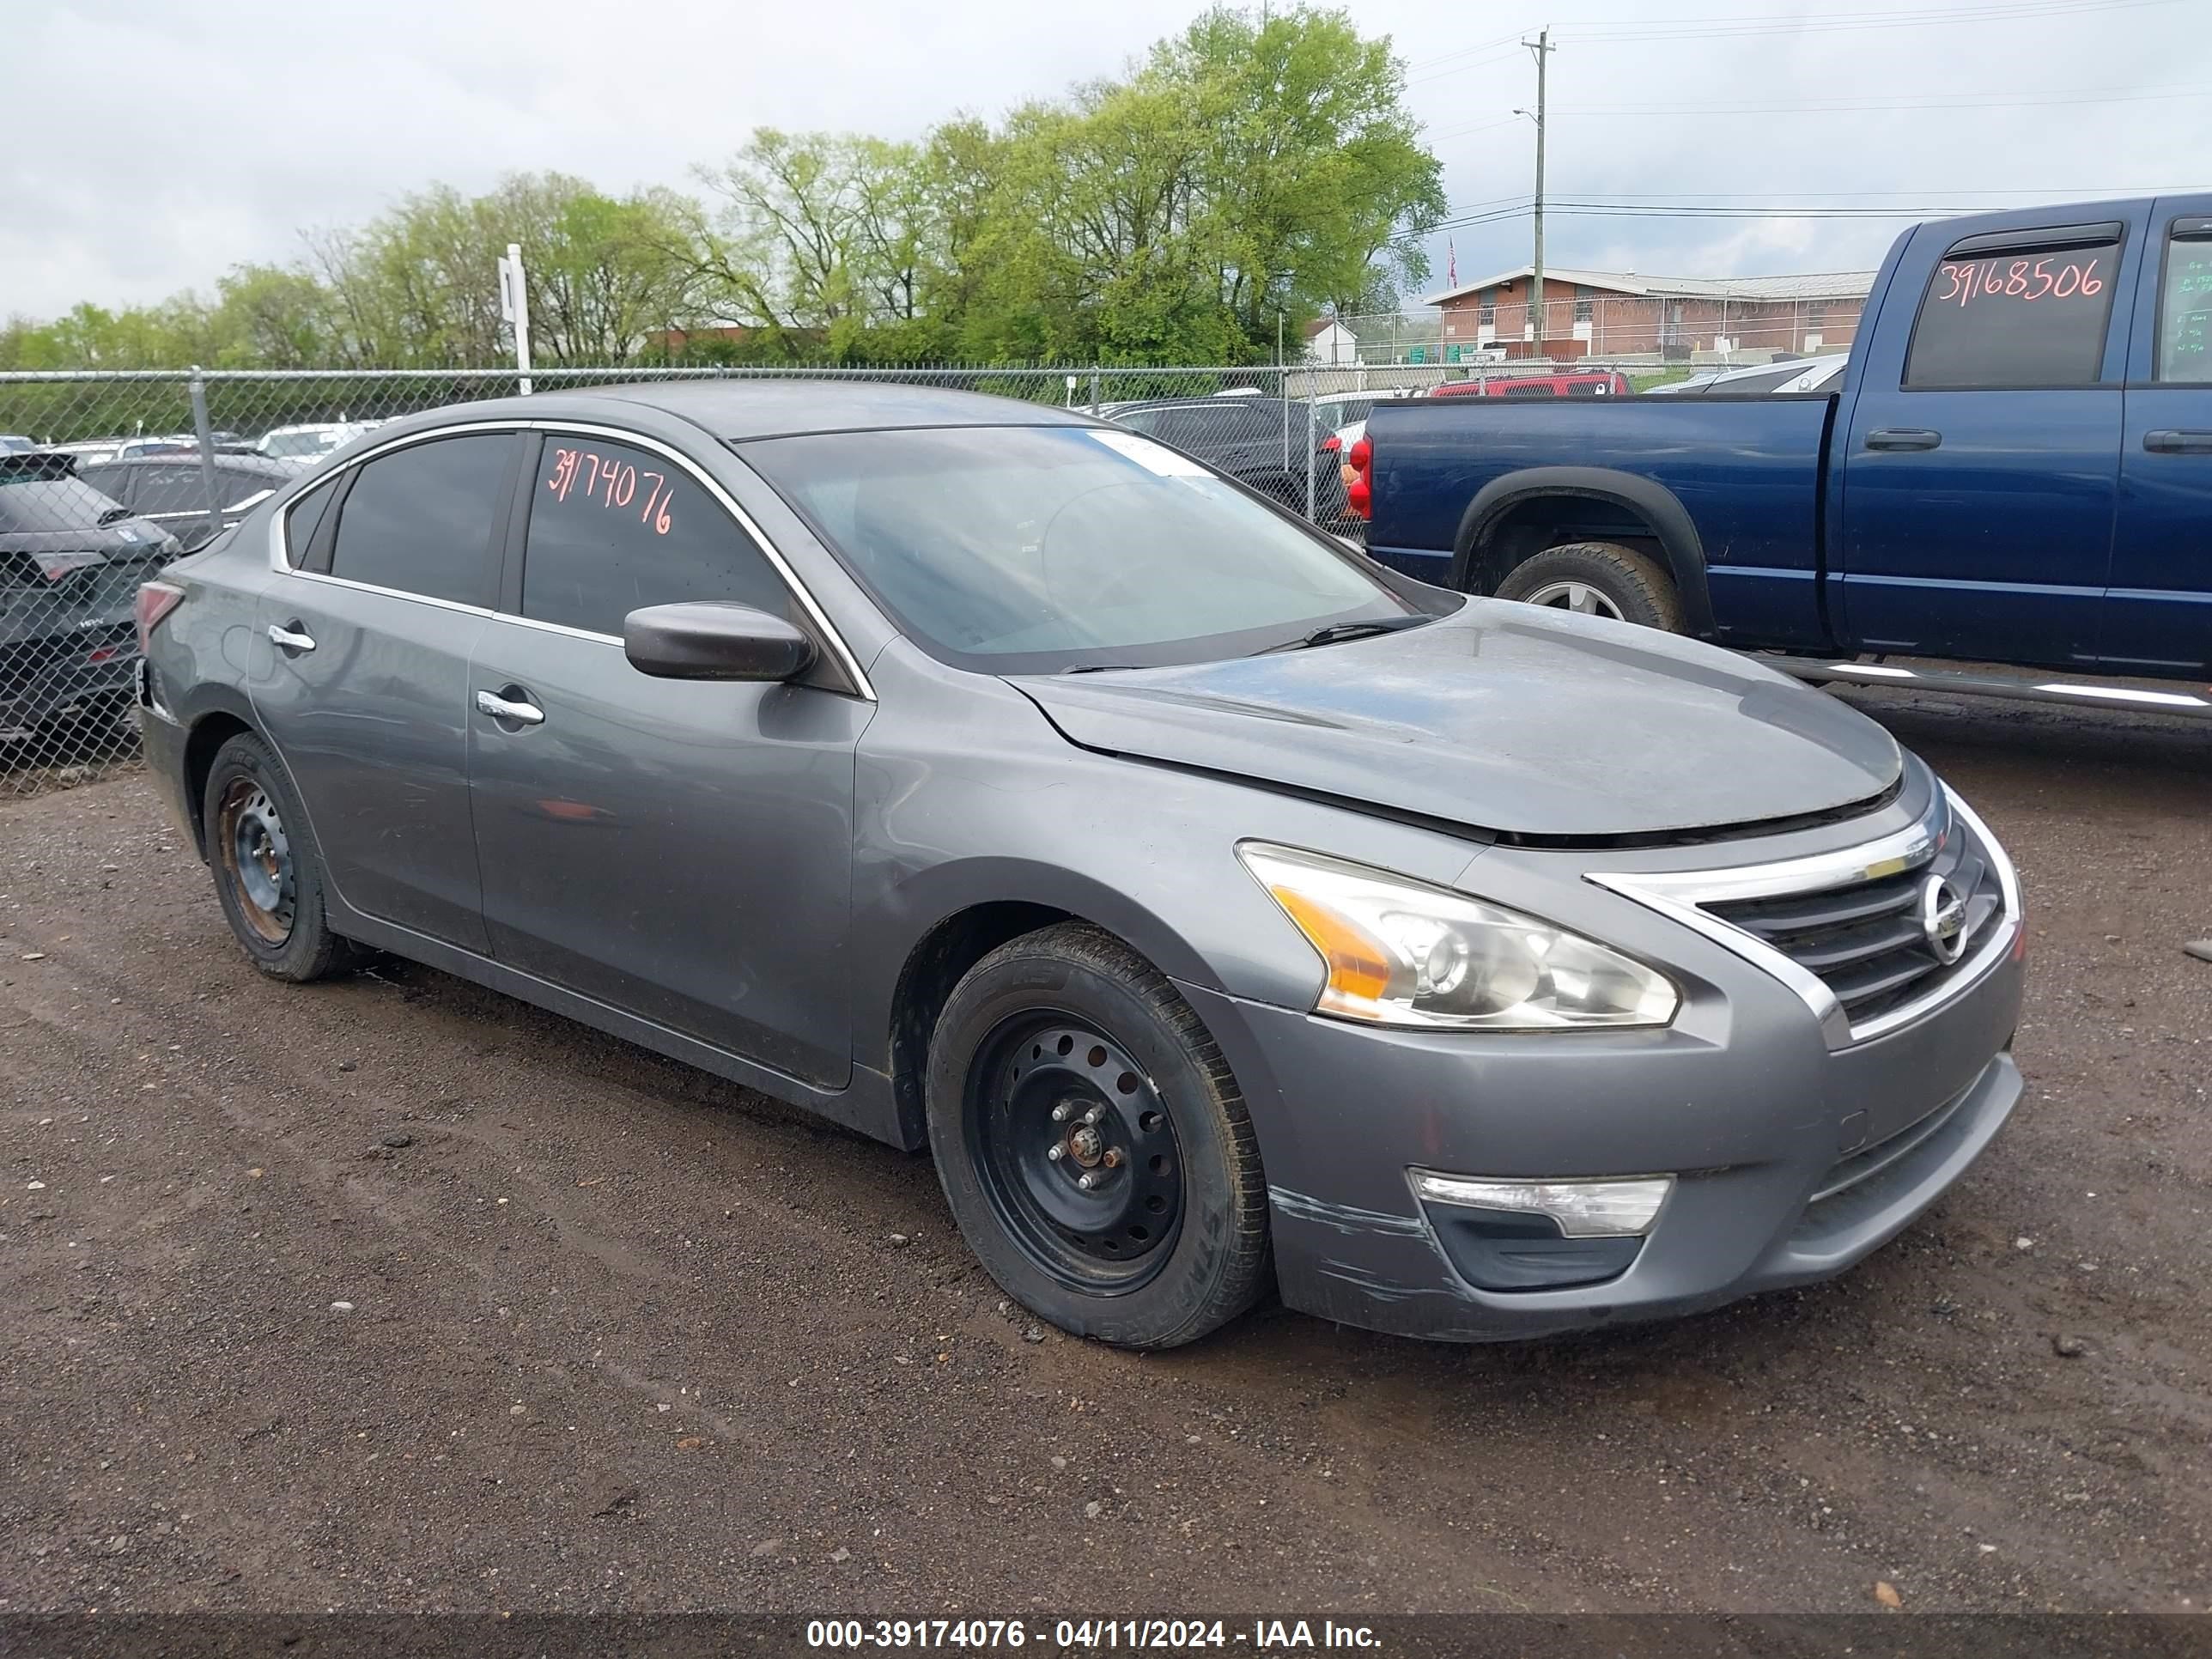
[{"x": 704, "y": 641}]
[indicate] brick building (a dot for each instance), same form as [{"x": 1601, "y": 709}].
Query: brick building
[{"x": 1618, "y": 313}]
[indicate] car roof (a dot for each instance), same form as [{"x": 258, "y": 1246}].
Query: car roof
[{"x": 734, "y": 409}]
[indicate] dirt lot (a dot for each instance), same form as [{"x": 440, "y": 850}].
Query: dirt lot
[{"x": 396, "y": 1294}]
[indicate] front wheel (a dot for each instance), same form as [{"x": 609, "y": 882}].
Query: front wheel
[
  {"x": 1598, "y": 578},
  {"x": 1093, "y": 1144}
]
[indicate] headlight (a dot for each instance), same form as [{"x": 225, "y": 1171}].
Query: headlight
[{"x": 1401, "y": 952}]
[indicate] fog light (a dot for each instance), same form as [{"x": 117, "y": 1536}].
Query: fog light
[{"x": 1622, "y": 1207}]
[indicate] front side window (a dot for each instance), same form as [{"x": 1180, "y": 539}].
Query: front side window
[
  {"x": 419, "y": 519},
  {"x": 2184, "y": 305},
  {"x": 614, "y": 529},
  {"x": 2033, "y": 317},
  {"x": 1022, "y": 550}
]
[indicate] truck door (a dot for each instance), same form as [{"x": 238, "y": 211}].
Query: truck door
[
  {"x": 2157, "y": 609},
  {"x": 1979, "y": 470}
]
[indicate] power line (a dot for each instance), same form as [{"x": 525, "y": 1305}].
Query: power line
[
  {"x": 1628, "y": 31},
  {"x": 1719, "y": 29},
  {"x": 1690, "y": 210},
  {"x": 1961, "y": 100}
]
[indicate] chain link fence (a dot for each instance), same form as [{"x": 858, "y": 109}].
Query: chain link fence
[{"x": 105, "y": 477}]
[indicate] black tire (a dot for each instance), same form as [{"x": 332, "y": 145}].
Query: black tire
[
  {"x": 1173, "y": 1242},
  {"x": 1632, "y": 585},
  {"x": 266, "y": 872}
]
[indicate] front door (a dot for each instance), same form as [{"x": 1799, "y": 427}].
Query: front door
[
  {"x": 2158, "y": 612},
  {"x": 1980, "y": 466},
  {"x": 360, "y": 677},
  {"x": 678, "y": 850}
]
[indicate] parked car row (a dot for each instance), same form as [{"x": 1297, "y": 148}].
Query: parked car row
[{"x": 299, "y": 446}]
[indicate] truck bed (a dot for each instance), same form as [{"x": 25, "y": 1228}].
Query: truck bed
[{"x": 1749, "y": 470}]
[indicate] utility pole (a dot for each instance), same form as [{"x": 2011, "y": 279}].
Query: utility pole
[{"x": 1543, "y": 48}]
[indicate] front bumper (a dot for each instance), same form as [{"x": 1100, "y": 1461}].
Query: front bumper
[{"x": 1793, "y": 1161}]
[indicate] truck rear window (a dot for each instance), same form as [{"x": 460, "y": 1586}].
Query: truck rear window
[{"x": 2032, "y": 318}]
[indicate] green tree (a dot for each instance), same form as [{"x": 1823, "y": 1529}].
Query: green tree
[{"x": 1314, "y": 175}]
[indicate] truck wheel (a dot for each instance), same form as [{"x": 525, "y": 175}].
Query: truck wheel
[
  {"x": 1598, "y": 579},
  {"x": 1093, "y": 1144}
]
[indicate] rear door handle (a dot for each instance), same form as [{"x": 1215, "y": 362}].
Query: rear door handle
[
  {"x": 289, "y": 637},
  {"x": 2171, "y": 441},
  {"x": 1903, "y": 437},
  {"x": 517, "y": 709}
]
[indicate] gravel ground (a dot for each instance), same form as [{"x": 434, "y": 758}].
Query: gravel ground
[{"x": 396, "y": 1294}]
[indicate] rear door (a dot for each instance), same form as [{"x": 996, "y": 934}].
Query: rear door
[
  {"x": 2158, "y": 609},
  {"x": 360, "y": 673},
  {"x": 1980, "y": 471}
]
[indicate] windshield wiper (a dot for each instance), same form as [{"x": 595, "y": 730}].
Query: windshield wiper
[
  {"x": 1351, "y": 631},
  {"x": 1102, "y": 668},
  {"x": 116, "y": 515}
]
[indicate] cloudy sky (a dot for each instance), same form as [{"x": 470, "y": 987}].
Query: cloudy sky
[{"x": 152, "y": 143}]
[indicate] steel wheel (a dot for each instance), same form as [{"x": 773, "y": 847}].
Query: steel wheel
[
  {"x": 256, "y": 859},
  {"x": 1574, "y": 596},
  {"x": 1077, "y": 1153}
]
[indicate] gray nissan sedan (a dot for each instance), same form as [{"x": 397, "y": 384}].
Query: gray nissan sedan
[{"x": 1223, "y": 911}]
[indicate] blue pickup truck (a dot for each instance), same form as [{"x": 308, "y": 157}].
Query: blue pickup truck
[{"x": 2017, "y": 468}]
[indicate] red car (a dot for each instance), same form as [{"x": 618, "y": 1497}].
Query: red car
[{"x": 1590, "y": 383}]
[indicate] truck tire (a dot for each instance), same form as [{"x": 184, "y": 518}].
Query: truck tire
[{"x": 1600, "y": 579}]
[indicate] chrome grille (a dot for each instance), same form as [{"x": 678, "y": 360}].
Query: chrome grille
[
  {"x": 1865, "y": 941},
  {"x": 1844, "y": 930}
]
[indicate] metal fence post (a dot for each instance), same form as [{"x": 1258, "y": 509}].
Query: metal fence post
[
  {"x": 206, "y": 433},
  {"x": 1094, "y": 389}
]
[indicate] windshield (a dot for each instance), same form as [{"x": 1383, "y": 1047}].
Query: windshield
[
  {"x": 30, "y": 501},
  {"x": 1027, "y": 549}
]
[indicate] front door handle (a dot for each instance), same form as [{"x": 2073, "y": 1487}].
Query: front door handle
[
  {"x": 1903, "y": 437},
  {"x": 2171, "y": 441},
  {"x": 290, "y": 636},
  {"x": 518, "y": 709}
]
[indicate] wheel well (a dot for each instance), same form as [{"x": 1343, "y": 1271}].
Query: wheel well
[
  {"x": 207, "y": 738},
  {"x": 1529, "y": 526},
  {"x": 933, "y": 969}
]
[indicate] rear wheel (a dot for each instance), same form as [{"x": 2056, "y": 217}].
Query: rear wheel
[
  {"x": 1597, "y": 579},
  {"x": 267, "y": 874},
  {"x": 1092, "y": 1143}
]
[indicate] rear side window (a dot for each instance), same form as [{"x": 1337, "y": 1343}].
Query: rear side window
[
  {"x": 170, "y": 490},
  {"x": 613, "y": 529},
  {"x": 2184, "y": 305},
  {"x": 303, "y": 518},
  {"x": 420, "y": 519},
  {"x": 2028, "y": 317}
]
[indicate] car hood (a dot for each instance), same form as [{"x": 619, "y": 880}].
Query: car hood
[{"x": 1504, "y": 717}]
